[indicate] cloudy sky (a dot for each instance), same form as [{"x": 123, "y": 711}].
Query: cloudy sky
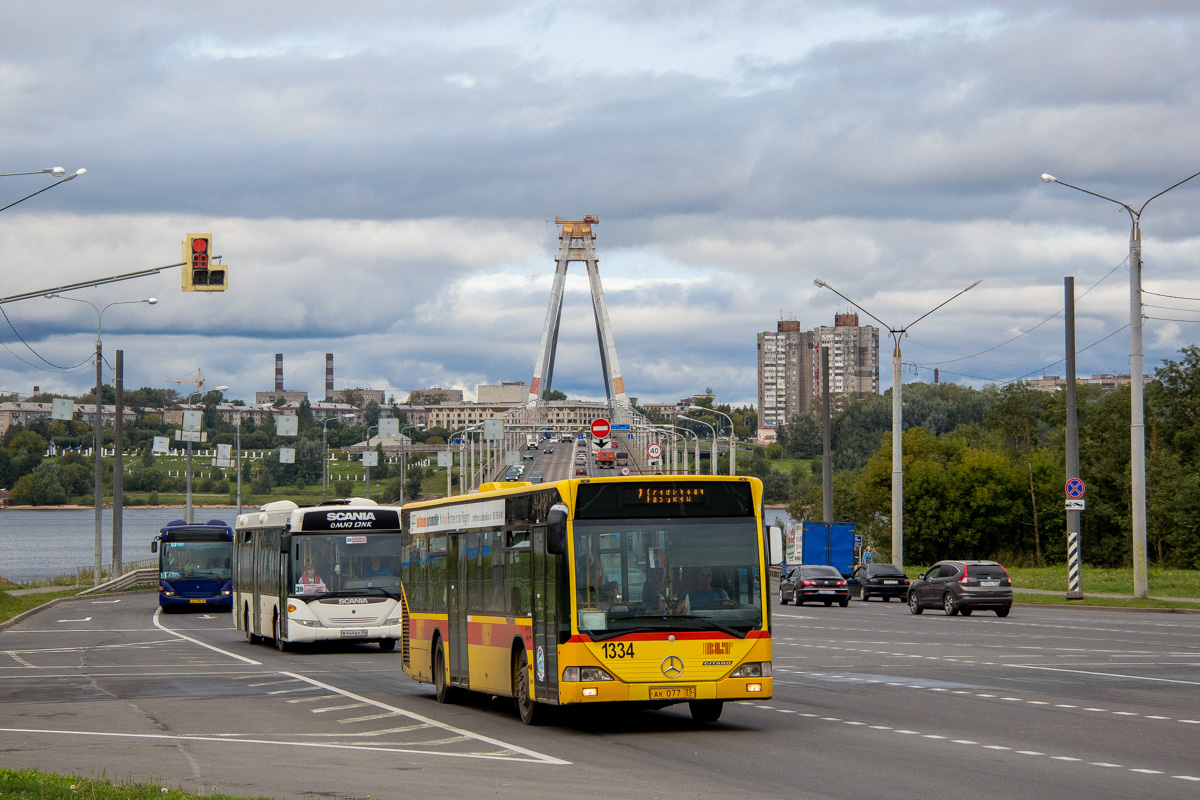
[{"x": 382, "y": 179}]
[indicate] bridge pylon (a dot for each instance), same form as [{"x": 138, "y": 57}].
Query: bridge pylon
[{"x": 576, "y": 242}]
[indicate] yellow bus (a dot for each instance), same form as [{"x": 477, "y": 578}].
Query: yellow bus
[{"x": 648, "y": 590}]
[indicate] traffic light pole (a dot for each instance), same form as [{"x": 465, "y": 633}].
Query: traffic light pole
[{"x": 126, "y": 276}]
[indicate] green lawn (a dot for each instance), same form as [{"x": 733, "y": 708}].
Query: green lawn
[
  {"x": 37, "y": 785},
  {"x": 11, "y": 605},
  {"x": 1103, "y": 580}
]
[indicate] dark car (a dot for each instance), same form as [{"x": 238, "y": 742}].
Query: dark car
[
  {"x": 549, "y": 448},
  {"x": 961, "y": 587},
  {"x": 529, "y": 454},
  {"x": 513, "y": 474},
  {"x": 806, "y": 583},
  {"x": 536, "y": 477},
  {"x": 878, "y": 580}
]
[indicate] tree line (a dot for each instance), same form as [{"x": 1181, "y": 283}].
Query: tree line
[{"x": 984, "y": 470}]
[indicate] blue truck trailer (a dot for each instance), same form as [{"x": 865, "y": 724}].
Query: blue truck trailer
[{"x": 829, "y": 543}]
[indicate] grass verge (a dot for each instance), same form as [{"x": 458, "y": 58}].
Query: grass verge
[
  {"x": 1103, "y": 580},
  {"x": 12, "y": 605},
  {"x": 1021, "y": 598},
  {"x": 32, "y": 784}
]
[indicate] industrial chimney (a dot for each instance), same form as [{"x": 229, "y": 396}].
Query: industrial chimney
[
  {"x": 329, "y": 377},
  {"x": 279, "y": 372}
]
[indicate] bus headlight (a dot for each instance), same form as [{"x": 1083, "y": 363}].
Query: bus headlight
[
  {"x": 226, "y": 592},
  {"x": 585, "y": 675},
  {"x": 167, "y": 593},
  {"x": 755, "y": 669},
  {"x": 308, "y": 623},
  {"x": 393, "y": 621}
]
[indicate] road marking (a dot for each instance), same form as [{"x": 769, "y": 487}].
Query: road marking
[
  {"x": 313, "y": 699},
  {"x": 536, "y": 758},
  {"x": 85, "y": 619},
  {"x": 104, "y": 602},
  {"x": 1104, "y": 674},
  {"x": 336, "y": 708},
  {"x": 367, "y": 718},
  {"x": 158, "y": 624}
]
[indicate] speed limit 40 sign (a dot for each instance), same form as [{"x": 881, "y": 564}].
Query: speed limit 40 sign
[{"x": 654, "y": 451}]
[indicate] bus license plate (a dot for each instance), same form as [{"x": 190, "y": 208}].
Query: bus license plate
[
  {"x": 672, "y": 692},
  {"x": 197, "y": 600},
  {"x": 354, "y": 633}
]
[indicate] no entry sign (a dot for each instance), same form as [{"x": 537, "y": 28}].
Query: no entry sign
[{"x": 600, "y": 428}]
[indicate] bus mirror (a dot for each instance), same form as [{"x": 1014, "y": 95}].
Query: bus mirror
[
  {"x": 154, "y": 545},
  {"x": 776, "y": 540},
  {"x": 556, "y": 530},
  {"x": 285, "y": 543}
]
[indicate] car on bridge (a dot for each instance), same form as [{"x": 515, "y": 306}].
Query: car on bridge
[
  {"x": 808, "y": 582},
  {"x": 549, "y": 448},
  {"x": 961, "y": 587},
  {"x": 529, "y": 455},
  {"x": 581, "y": 469},
  {"x": 878, "y": 580}
]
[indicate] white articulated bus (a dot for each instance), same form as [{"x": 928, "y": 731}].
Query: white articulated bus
[{"x": 321, "y": 573}]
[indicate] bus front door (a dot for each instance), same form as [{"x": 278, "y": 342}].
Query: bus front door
[
  {"x": 545, "y": 618},
  {"x": 456, "y": 610}
]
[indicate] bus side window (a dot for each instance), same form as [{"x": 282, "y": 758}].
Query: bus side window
[{"x": 518, "y": 565}]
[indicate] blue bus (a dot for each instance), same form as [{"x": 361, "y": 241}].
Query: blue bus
[{"x": 195, "y": 565}]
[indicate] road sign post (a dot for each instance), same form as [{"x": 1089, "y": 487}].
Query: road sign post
[{"x": 1075, "y": 490}]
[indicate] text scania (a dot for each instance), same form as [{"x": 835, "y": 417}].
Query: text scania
[{"x": 350, "y": 519}]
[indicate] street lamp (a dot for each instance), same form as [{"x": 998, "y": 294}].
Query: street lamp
[
  {"x": 712, "y": 458},
  {"x": 695, "y": 436},
  {"x": 56, "y": 172},
  {"x": 188, "y": 513},
  {"x": 99, "y": 419},
  {"x": 325, "y": 455},
  {"x": 732, "y": 450},
  {"x": 366, "y": 465},
  {"x": 404, "y": 460},
  {"x": 1137, "y": 418},
  {"x": 897, "y": 416}
]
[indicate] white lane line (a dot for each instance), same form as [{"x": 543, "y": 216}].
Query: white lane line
[
  {"x": 1104, "y": 674},
  {"x": 532, "y": 754},
  {"x": 313, "y": 699},
  {"x": 158, "y": 624},
  {"x": 289, "y": 691},
  {"x": 336, "y": 708},
  {"x": 85, "y": 619},
  {"x": 534, "y": 758},
  {"x": 367, "y": 718}
]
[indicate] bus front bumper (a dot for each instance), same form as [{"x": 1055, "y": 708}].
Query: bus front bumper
[
  {"x": 664, "y": 692},
  {"x": 304, "y": 634}
]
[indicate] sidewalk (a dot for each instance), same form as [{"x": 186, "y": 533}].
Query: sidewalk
[{"x": 1108, "y": 596}]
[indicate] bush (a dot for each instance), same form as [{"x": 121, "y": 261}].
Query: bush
[{"x": 344, "y": 488}]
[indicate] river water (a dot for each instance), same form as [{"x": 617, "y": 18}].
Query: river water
[{"x": 44, "y": 543}]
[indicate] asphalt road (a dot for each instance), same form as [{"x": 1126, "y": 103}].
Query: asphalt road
[{"x": 869, "y": 700}]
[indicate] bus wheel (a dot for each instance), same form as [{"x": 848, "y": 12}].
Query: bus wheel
[
  {"x": 250, "y": 637},
  {"x": 279, "y": 642},
  {"x": 706, "y": 710},
  {"x": 387, "y": 645},
  {"x": 440, "y": 683},
  {"x": 530, "y": 713}
]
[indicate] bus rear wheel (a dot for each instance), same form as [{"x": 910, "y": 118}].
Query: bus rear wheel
[
  {"x": 387, "y": 645},
  {"x": 706, "y": 710},
  {"x": 531, "y": 714},
  {"x": 441, "y": 685}
]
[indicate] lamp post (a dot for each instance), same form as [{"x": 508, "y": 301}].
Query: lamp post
[
  {"x": 189, "y": 515},
  {"x": 367, "y": 466},
  {"x": 712, "y": 458},
  {"x": 99, "y": 419},
  {"x": 897, "y": 416},
  {"x": 404, "y": 460},
  {"x": 56, "y": 172},
  {"x": 1137, "y": 418},
  {"x": 695, "y": 436},
  {"x": 732, "y": 450},
  {"x": 237, "y": 438},
  {"x": 325, "y": 455}
]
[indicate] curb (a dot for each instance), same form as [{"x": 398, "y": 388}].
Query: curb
[{"x": 1072, "y": 605}]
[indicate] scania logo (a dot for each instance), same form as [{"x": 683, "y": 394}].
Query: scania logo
[
  {"x": 672, "y": 666},
  {"x": 346, "y": 601},
  {"x": 350, "y": 516}
]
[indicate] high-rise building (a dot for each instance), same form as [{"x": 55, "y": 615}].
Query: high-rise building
[
  {"x": 784, "y": 373},
  {"x": 853, "y": 360},
  {"x": 789, "y": 368}
]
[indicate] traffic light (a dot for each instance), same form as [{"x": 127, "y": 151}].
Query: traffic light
[{"x": 200, "y": 274}]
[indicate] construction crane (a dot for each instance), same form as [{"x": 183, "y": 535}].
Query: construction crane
[{"x": 197, "y": 381}]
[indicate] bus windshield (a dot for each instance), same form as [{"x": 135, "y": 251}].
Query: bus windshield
[
  {"x": 192, "y": 559},
  {"x": 344, "y": 564},
  {"x": 667, "y": 574}
]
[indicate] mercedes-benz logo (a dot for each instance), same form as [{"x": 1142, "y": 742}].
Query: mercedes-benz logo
[{"x": 672, "y": 666}]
